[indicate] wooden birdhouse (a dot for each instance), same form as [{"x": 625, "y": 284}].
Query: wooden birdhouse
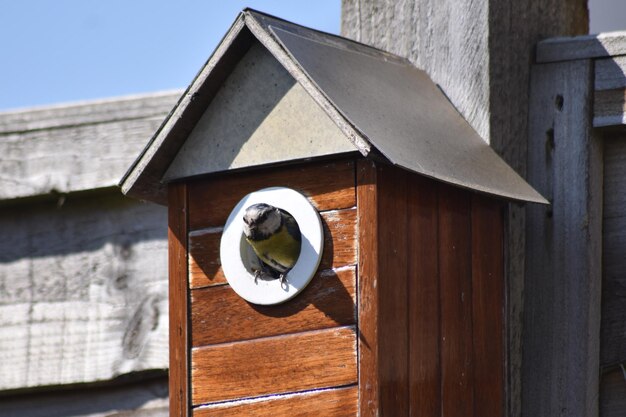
[{"x": 399, "y": 310}]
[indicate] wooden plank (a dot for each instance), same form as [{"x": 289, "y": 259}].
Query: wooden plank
[
  {"x": 383, "y": 306},
  {"x": 613, "y": 330},
  {"x": 488, "y": 294},
  {"x": 328, "y": 185},
  {"x": 609, "y": 108},
  {"x": 106, "y": 110},
  {"x": 581, "y": 47},
  {"x": 613, "y": 393},
  {"x": 563, "y": 271},
  {"x": 178, "y": 297},
  {"x": 368, "y": 301},
  {"x": 83, "y": 290},
  {"x": 339, "y": 248},
  {"x": 70, "y": 158},
  {"x": 610, "y": 73},
  {"x": 392, "y": 291},
  {"x": 288, "y": 363},
  {"x": 423, "y": 295},
  {"x": 219, "y": 315},
  {"x": 337, "y": 402},
  {"x": 455, "y": 274},
  {"x": 140, "y": 397}
]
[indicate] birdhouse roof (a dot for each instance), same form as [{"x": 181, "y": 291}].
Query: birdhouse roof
[{"x": 360, "y": 98}]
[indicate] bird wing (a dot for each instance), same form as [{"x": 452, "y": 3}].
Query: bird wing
[{"x": 291, "y": 224}]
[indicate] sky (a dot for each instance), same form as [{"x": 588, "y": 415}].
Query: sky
[{"x": 56, "y": 51}]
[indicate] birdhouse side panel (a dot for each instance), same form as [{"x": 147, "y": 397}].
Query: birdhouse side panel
[
  {"x": 431, "y": 296},
  {"x": 240, "y": 350}
]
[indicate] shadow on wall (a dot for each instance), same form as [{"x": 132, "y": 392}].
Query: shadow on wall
[
  {"x": 52, "y": 253},
  {"x": 150, "y": 394}
]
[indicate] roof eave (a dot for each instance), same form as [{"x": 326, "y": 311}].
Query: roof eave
[{"x": 143, "y": 179}]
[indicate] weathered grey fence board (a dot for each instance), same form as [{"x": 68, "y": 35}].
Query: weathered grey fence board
[
  {"x": 143, "y": 398},
  {"x": 83, "y": 290},
  {"x": 609, "y": 108},
  {"x": 90, "y": 112},
  {"x": 563, "y": 277},
  {"x": 610, "y": 73},
  {"x": 613, "y": 336},
  {"x": 71, "y": 158},
  {"x": 581, "y": 47},
  {"x": 613, "y": 394}
]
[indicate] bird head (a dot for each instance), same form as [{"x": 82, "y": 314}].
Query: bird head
[{"x": 261, "y": 221}]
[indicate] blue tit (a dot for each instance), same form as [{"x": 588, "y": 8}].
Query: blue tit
[{"x": 275, "y": 238}]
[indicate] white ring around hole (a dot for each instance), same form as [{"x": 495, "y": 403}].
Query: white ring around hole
[{"x": 267, "y": 292}]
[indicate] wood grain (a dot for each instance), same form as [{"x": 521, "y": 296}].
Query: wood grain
[
  {"x": 83, "y": 290},
  {"x": 288, "y": 363},
  {"x": 455, "y": 269},
  {"x": 76, "y": 147},
  {"x": 339, "y": 248},
  {"x": 423, "y": 294},
  {"x": 487, "y": 220},
  {"x": 219, "y": 315},
  {"x": 562, "y": 316},
  {"x": 581, "y": 47},
  {"x": 368, "y": 301},
  {"x": 328, "y": 185},
  {"x": 178, "y": 297},
  {"x": 71, "y": 158},
  {"x": 609, "y": 73},
  {"x": 609, "y": 108},
  {"x": 89, "y": 112},
  {"x": 392, "y": 291},
  {"x": 613, "y": 328},
  {"x": 613, "y": 393},
  {"x": 338, "y": 402}
]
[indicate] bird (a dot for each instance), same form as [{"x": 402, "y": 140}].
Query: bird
[{"x": 275, "y": 238}]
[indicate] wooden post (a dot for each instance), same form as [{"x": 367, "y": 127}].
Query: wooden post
[
  {"x": 562, "y": 317},
  {"x": 480, "y": 53}
]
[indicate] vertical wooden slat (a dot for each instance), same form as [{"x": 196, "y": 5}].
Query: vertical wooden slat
[
  {"x": 423, "y": 292},
  {"x": 177, "y": 240},
  {"x": 392, "y": 291},
  {"x": 488, "y": 306},
  {"x": 455, "y": 270},
  {"x": 367, "y": 207},
  {"x": 383, "y": 299},
  {"x": 562, "y": 288}
]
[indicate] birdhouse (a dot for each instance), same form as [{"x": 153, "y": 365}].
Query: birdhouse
[{"x": 395, "y": 303}]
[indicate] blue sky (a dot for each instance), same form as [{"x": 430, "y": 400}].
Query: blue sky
[{"x": 72, "y": 50}]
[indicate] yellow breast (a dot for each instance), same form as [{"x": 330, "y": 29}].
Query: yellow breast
[{"x": 281, "y": 248}]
